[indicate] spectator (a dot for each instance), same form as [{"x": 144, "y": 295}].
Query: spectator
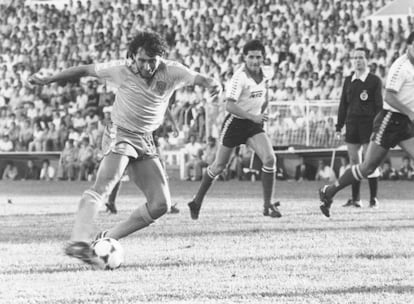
[
  {"x": 38, "y": 139},
  {"x": 63, "y": 135},
  {"x": 47, "y": 172},
  {"x": 192, "y": 151},
  {"x": 10, "y": 172},
  {"x": 86, "y": 160},
  {"x": 26, "y": 135},
  {"x": 235, "y": 164},
  {"x": 51, "y": 142},
  {"x": 406, "y": 171},
  {"x": 68, "y": 161},
  {"x": 6, "y": 145},
  {"x": 299, "y": 46},
  {"x": 324, "y": 173},
  {"x": 280, "y": 174},
  {"x": 304, "y": 171},
  {"x": 388, "y": 172},
  {"x": 31, "y": 171},
  {"x": 207, "y": 158},
  {"x": 13, "y": 133}
]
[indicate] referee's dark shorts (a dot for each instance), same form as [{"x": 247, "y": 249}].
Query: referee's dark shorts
[{"x": 358, "y": 129}]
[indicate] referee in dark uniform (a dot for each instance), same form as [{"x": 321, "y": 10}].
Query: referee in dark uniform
[{"x": 361, "y": 100}]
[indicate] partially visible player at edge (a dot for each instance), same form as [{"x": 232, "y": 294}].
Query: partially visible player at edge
[
  {"x": 246, "y": 103},
  {"x": 392, "y": 126},
  {"x": 145, "y": 83}
]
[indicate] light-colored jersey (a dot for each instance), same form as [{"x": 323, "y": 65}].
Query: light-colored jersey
[
  {"x": 248, "y": 95},
  {"x": 401, "y": 80},
  {"x": 139, "y": 106}
]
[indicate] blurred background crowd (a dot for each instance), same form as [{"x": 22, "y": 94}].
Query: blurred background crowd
[{"x": 308, "y": 45}]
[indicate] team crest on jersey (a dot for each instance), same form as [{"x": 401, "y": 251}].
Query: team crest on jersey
[
  {"x": 160, "y": 87},
  {"x": 364, "y": 95}
]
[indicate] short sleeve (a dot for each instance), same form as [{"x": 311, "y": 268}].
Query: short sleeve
[
  {"x": 234, "y": 87},
  {"x": 182, "y": 75},
  {"x": 396, "y": 77},
  {"x": 112, "y": 71}
]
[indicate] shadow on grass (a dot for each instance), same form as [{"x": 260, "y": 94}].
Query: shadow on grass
[
  {"x": 261, "y": 230},
  {"x": 212, "y": 262},
  {"x": 70, "y": 268},
  {"x": 265, "y": 259},
  {"x": 13, "y": 236},
  {"x": 404, "y": 289}
]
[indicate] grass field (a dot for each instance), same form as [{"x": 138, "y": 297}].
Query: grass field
[{"x": 232, "y": 254}]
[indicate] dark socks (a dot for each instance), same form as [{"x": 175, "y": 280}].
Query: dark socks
[
  {"x": 373, "y": 187},
  {"x": 356, "y": 191},
  {"x": 268, "y": 179},
  {"x": 345, "y": 180},
  {"x": 206, "y": 183}
]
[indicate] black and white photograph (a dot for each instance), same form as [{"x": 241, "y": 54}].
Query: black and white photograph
[{"x": 205, "y": 151}]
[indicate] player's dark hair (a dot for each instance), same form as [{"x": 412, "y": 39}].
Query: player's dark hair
[
  {"x": 410, "y": 38},
  {"x": 151, "y": 42},
  {"x": 254, "y": 45},
  {"x": 366, "y": 51}
]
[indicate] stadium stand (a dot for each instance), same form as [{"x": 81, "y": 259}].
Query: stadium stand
[{"x": 307, "y": 44}]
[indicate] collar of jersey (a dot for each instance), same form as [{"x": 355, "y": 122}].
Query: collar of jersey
[
  {"x": 249, "y": 75},
  {"x": 363, "y": 77},
  {"x": 131, "y": 67}
]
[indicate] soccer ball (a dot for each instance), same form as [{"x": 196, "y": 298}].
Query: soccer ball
[{"x": 108, "y": 253}]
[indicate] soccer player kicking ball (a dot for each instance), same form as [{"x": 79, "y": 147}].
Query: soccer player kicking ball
[
  {"x": 145, "y": 83},
  {"x": 392, "y": 126},
  {"x": 246, "y": 99}
]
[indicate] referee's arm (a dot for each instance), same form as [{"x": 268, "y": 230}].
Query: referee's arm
[{"x": 343, "y": 107}]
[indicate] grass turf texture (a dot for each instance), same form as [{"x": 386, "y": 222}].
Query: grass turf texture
[{"x": 232, "y": 254}]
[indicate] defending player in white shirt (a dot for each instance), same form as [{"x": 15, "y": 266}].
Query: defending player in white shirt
[{"x": 246, "y": 104}]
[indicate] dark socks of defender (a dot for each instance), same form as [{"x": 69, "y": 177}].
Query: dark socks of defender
[
  {"x": 114, "y": 193},
  {"x": 356, "y": 191},
  {"x": 373, "y": 187},
  {"x": 268, "y": 180},
  {"x": 345, "y": 180},
  {"x": 206, "y": 183}
]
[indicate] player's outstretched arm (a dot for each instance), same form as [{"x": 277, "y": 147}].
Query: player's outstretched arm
[
  {"x": 213, "y": 85},
  {"x": 65, "y": 75}
]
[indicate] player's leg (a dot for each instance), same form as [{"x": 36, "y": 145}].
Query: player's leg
[
  {"x": 262, "y": 146},
  {"x": 149, "y": 176},
  {"x": 354, "y": 154},
  {"x": 372, "y": 182},
  {"x": 109, "y": 173},
  {"x": 220, "y": 162},
  {"x": 174, "y": 209},
  {"x": 110, "y": 204},
  {"x": 373, "y": 158}
]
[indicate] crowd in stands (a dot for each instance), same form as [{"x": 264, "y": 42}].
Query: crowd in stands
[{"x": 308, "y": 45}]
